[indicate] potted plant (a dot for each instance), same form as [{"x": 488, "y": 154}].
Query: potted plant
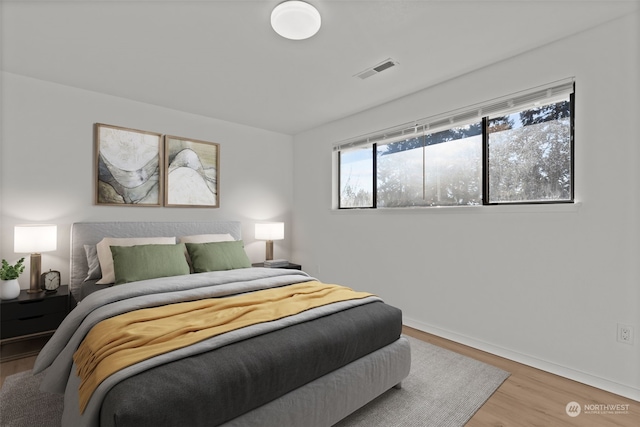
[{"x": 9, "y": 286}]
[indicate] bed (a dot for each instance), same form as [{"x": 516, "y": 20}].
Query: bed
[{"x": 311, "y": 367}]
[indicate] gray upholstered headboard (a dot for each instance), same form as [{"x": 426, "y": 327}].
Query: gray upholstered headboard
[{"x": 90, "y": 233}]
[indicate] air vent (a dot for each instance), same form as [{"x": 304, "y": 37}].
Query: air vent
[{"x": 384, "y": 65}]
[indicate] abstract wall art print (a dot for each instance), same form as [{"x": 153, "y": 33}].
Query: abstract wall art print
[
  {"x": 128, "y": 166},
  {"x": 192, "y": 172}
]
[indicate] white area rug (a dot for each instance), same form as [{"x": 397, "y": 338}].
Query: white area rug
[{"x": 443, "y": 389}]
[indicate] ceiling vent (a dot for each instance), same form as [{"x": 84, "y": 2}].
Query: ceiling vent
[{"x": 384, "y": 65}]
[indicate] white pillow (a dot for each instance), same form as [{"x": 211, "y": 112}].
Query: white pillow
[
  {"x": 206, "y": 238},
  {"x": 106, "y": 259}
]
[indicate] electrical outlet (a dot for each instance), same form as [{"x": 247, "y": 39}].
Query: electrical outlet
[{"x": 625, "y": 333}]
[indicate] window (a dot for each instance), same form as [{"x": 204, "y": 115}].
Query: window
[
  {"x": 356, "y": 178},
  {"x": 436, "y": 169},
  {"x": 530, "y": 155},
  {"x": 518, "y": 149}
]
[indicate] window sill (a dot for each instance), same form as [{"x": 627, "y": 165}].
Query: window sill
[{"x": 468, "y": 210}]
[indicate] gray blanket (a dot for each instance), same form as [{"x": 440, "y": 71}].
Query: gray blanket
[{"x": 56, "y": 356}]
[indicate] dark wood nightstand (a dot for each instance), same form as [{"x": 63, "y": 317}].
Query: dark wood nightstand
[
  {"x": 291, "y": 266},
  {"x": 31, "y": 317}
]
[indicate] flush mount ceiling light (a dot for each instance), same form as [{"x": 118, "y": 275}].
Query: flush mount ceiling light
[{"x": 295, "y": 20}]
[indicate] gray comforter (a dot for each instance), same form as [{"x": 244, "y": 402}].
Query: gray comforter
[{"x": 56, "y": 356}]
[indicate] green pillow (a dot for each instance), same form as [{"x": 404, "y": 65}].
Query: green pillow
[
  {"x": 141, "y": 262},
  {"x": 216, "y": 256}
]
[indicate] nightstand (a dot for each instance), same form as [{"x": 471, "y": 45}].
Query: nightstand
[
  {"x": 28, "y": 317},
  {"x": 291, "y": 266}
]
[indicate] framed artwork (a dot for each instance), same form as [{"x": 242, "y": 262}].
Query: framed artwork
[
  {"x": 192, "y": 172},
  {"x": 128, "y": 166}
]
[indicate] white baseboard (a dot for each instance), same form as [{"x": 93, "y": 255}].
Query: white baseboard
[{"x": 563, "y": 371}]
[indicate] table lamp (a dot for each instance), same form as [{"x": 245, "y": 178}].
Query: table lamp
[
  {"x": 270, "y": 231},
  {"x": 35, "y": 239}
]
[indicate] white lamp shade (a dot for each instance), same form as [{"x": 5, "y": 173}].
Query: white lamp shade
[
  {"x": 35, "y": 238},
  {"x": 270, "y": 231},
  {"x": 295, "y": 20}
]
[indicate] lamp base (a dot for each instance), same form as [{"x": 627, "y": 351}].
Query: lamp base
[
  {"x": 269, "y": 251},
  {"x": 36, "y": 262}
]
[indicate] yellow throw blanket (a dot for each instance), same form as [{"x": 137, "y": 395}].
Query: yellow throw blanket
[{"x": 129, "y": 338}]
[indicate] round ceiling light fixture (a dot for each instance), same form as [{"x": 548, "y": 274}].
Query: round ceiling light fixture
[{"x": 295, "y": 20}]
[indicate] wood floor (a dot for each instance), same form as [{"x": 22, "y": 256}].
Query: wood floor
[
  {"x": 14, "y": 366},
  {"x": 528, "y": 398},
  {"x": 531, "y": 397}
]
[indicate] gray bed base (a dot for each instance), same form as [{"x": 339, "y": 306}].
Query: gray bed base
[
  {"x": 329, "y": 399},
  {"x": 320, "y": 403}
]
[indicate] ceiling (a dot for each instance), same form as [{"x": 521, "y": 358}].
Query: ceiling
[{"x": 221, "y": 59}]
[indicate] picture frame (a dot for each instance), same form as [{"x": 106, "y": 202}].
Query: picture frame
[
  {"x": 192, "y": 172},
  {"x": 128, "y": 166}
]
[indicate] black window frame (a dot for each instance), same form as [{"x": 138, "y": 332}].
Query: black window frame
[
  {"x": 485, "y": 165},
  {"x": 485, "y": 170},
  {"x": 374, "y": 166}
]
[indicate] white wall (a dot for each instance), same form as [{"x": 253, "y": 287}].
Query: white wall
[
  {"x": 47, "y": 166},
  {"x": 542, "y": 285}
]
